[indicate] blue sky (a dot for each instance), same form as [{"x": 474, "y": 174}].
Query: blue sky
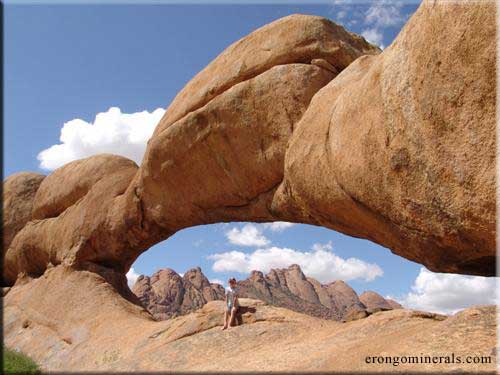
[{"x": 64, "y": 64}]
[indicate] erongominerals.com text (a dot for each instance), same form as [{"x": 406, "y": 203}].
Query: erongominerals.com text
[{"x": 428, "y": 359}]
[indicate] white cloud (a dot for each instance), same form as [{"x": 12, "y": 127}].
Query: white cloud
[
  {"x": 132, "y": 277},
  {"x": 253, "y": 234},
  {"x": 278, "y": 226},
  {"x": 449, "y": 293},
  {"x": 111, "y": 132},
  {"x": 341, "y": 14},
  {"x": 384, "y": 14},
  {"x": 249, "y": 235},
  {"x": 320, "y": 263},
  {"x": 322, "y": 246},
  {"x": 374, "y": 36}
]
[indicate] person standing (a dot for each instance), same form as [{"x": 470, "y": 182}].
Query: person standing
[{"x": 232, "y": 303}]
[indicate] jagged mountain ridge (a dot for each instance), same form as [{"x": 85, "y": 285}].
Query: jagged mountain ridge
[{"x": 166, "y": 294}]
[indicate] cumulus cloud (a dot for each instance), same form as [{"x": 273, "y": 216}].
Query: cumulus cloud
[
  {"x": 278, "y": 226},
  {"x": 384, "y": 14},
  {"x": 132, "y": 277},
  {"x": 380, "y": 15},
  {"x": 249, "y": 235},
  {"x": 320, "y": 263},
  {"x": 449, "y": 293},
  {"x": 111, "y": 132},
  {"x": 253, "y": 234},
  {"x": 374, "y": 36}
]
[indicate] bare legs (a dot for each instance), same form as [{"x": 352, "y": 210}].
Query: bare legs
[
  {"x": 233, "y": 314},
  {"x": 226, "y": 316},
  {"x": 229, "y": 318}
]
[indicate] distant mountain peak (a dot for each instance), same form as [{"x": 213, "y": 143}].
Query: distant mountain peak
[{"x": 166, "y": 294}]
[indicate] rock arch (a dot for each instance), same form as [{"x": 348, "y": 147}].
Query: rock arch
[{"x": 299, "y": 121}]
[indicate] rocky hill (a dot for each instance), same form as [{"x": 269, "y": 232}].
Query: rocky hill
[
  {"x": 375, "y": 302},
  {"x": 166, "y": 294}
]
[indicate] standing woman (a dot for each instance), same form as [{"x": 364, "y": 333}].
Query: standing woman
[{"x": 232, "y": 303}]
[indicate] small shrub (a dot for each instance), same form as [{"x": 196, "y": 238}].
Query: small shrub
[{"x": 18, "y": 363}]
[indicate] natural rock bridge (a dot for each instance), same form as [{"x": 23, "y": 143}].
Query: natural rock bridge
[{"x": 299, "y": 121}]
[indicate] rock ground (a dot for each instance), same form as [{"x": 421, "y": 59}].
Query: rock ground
[{"x": 87, "y": 326}]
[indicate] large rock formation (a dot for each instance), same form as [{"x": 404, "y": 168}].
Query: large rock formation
[
  {"x": 290, "y": 288},
  {"x": 87, "y": 326},
  {"x": 78, "y": 215},
  {"x": 300, "y": 121},
  {"x": 19, "y": 192},
  {"x": 397, "y": 147},
  {"x": 401, "y": 146},
  {"x": 375, "y": 302},
  {"x": 166, "y": 294}
]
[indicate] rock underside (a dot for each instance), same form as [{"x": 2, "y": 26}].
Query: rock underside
[{"x": 300, "y": 121}]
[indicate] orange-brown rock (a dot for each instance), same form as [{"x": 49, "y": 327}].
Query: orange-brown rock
[
  {"x": 18, "y": 194},
  {"x": 288, "y": 288},
  {"x": 71, "y": 182},
  {"x": 227, "y": 148},
  {"x": 166, "y": 294},
  {"x": 295, "y": 39},
  {"x": 228, "y": 154},
  {"x": 374, "y": 301},
  {"x": 400, "y": 147},
  {"x": 346, "y": 300},
  {"x": 93, "y": 229},
  {"x": 394, "y": 304},
  {"x": 87, "y": 326},
  {"x": 379, "y": 152}
]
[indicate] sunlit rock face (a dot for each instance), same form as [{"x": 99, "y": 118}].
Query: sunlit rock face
[
  {"x": 299, "y": 121},
  {"x": 19, "y": 192},
  {"x": 166, "y": 294}
]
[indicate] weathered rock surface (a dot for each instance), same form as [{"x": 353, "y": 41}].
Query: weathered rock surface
[
  {"x": 18, "y": 194},
  {"x": 295, "y": 39},
  {"x": 394, "y": 304},
  {"x": 398, "y": 148},
  {"x": 291, "y": 123},
  {"x": 346, "y": 300},
  {"x": 96, "y": 329},
  {"x": 290, "y": 288},
  {"x": 374, "y": 301},
  {"x": 166, "y": 294},
  {"x": 230, "y": 128},
  {"x": 71, "y": 182},
  {"x": 92, "y": 229}
]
